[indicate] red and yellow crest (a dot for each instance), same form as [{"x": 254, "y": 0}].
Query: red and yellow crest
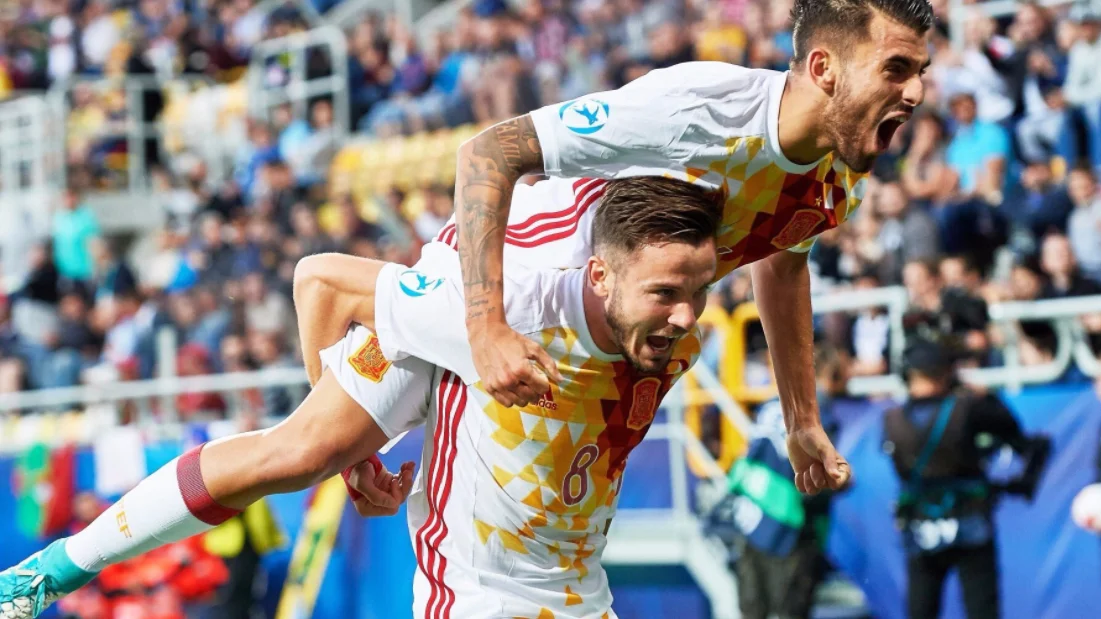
[
  {"x": 368, "y": 361},
  {"x": 799, "y": 229},
  {"x": 644, "y": 403}
]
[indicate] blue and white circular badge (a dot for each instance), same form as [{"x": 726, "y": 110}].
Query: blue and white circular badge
[
  {"x": 417, "y": 284},
  {"x": 584, "y": 116}
]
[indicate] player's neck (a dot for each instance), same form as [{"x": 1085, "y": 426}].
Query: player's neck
[
  {"x": 802, "y": 138},
  {"x": 596, "y": 320}
]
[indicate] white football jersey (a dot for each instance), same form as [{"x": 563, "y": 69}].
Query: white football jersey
[
  {"x": 710, "y": 123},
  {"x": 512, "y": 505}
]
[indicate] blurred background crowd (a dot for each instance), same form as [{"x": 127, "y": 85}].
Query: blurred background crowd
[{"x": 989, "y": 194}]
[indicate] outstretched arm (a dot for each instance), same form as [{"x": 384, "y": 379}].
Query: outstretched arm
[
  {"x": 489, "y": 166},
  {"x": 781, "y": 286}
]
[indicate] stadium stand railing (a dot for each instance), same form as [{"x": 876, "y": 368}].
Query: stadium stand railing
[
  {"x": 130, "y": 93},
  {"x": 300, "y": 87},
  {"x": 28, "y": 167}
]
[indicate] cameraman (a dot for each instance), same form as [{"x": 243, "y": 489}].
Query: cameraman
[{"x": 939, "y": 442}]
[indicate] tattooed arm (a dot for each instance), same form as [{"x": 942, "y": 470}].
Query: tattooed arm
[{"x": 489, "y": 166}]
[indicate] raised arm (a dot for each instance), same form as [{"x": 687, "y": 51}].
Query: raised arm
[
  {"x": 781, "y": 286},
  {"x": 489, "y": 166}
]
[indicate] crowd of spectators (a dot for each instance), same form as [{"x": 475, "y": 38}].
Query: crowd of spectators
[{"x": 989, "y": 194}]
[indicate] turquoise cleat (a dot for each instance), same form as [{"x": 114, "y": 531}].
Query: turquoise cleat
[{"x": 30, "y": 587}]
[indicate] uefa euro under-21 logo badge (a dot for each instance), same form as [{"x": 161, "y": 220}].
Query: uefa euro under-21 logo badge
[
  {"x": 584, "y": 116},
  {"x": 417, "y": 284}
]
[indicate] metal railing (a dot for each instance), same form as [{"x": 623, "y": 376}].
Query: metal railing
[
  {"x": 28, "y": 178},
  {"x": 1071, "y": 347},
  {"x": 134, "y": 130},
  {"x": 299, "y": 88},
  {"x": 893, "y": 298},
  {"x": 722, "y": 390}
]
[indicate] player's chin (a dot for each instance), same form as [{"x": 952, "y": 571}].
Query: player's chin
[{"x": 652, "y": 362}]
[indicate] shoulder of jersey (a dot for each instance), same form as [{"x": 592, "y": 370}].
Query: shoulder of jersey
[{"x": 701, "y": 74}]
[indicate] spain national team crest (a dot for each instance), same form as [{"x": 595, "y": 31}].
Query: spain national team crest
[
  {"x": 799, "y": 229},
  {"x": 368, "y": 361},
  {"x": 644, "y": 403}
]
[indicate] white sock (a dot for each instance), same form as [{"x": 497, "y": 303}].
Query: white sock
[{"x": 170, "y": 505}]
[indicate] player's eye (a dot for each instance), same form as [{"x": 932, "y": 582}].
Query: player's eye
[{"x": 665, "y": 293}]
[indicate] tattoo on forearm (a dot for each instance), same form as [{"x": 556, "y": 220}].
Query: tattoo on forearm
[{"x": 492, "y": 164}]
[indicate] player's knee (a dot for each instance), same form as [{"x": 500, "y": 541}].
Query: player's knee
[{"x": 308, "y": 275}]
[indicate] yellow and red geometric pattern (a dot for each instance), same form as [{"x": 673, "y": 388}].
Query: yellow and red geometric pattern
[
  {"x": 560, "y": 460},
  {"x": 769, "y": 209}
]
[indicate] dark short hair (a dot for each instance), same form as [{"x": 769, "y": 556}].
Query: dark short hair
[
  {"x": 836, "y": 22},
  {"x": 649, "y": 210}
]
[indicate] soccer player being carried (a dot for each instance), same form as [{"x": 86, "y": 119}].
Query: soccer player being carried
[{"x": 789, "y": 152}]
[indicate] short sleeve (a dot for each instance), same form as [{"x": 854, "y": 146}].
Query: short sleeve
[{"x": 658, "y": 120}]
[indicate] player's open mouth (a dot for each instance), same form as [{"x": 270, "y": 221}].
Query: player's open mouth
[
  {"x": 885, "y": 132},
  {"x": 659, "y": 343}
]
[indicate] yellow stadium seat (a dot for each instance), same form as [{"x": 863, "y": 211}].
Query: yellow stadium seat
[
  {"x": 414, "y": 205},
  {"x": 372, "y": 155}
]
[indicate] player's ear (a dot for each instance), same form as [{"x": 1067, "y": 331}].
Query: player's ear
[
  {"x": 822, "y": 67},
  {"x": 599, "y": 273}
]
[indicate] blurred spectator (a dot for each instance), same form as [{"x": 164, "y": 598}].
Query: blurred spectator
[
  {"x": 311, "y": 147},
  {"x": 111, "y": 275},
  {"x": 925, "y": 176},
  {"x": 1064, "y": 279},
  {"x": 1037, "y": 205},
  {"x": 923, "y": 283},
  {"x": 194, "y": 360},
  {"x": 781, "y": 562},
  {"x": 266, "y": 311},
  {"x": 1083, "y": 86},
  {"x": 979, "y": 151},
  {"x": 210, "y": 255},
  {"x": 11, "y": 367},
  {"x": 124, "y": 330},
  {"x": 870, "y": 334},
  {"x": 269, "y": 351},
  {"x": 905, "y": 233},
  {"x": 344, "y": 224},
  {"x": 307, "y": 239},
  {"x": 74, "y": 227},
  {"x": 1084, "y": 224},
  {"x": 71, "y": 349},
  {"x": 972, "y": 72},
  {"x": 438, "y": 210}
]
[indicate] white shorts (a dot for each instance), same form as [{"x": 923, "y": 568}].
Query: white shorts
[{"x": 395, "y": 394}]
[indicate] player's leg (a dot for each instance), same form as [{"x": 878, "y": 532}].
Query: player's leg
[{"x": 330, "y": 431}]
